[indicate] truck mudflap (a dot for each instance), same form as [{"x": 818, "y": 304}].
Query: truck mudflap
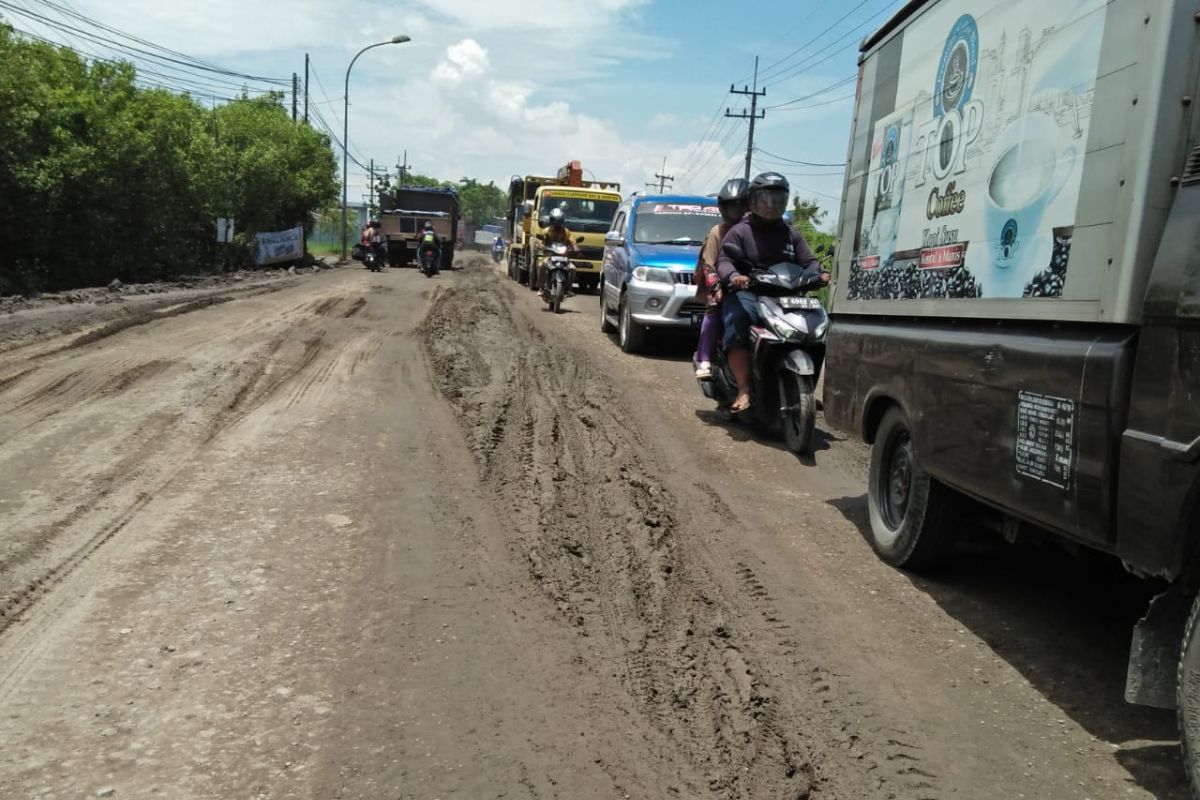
[{"x": 1154, "y": 652}]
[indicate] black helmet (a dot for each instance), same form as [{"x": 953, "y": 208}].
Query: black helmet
[
  {"x": 769, "y": 193},
  {"x": 733, "y": 190}
]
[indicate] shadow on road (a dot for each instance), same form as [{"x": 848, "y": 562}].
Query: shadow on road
[
  {"x": 745, "y": 431},
  {"x": 1064, "y": 622}
]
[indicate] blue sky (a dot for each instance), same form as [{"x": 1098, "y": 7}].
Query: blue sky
[{"x": 490, "y": 88}]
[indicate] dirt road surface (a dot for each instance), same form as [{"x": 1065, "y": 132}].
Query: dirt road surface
[{"x": 358, "y": 535}]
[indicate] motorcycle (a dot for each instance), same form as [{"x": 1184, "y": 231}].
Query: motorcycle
[
  {"x": 429, "y": 260},
  {"x": 787, "y": 351},
  {"x": 497, "y": 251},
  {"x": 559, "y": 275},
  {"x": 373, "y": 257}
]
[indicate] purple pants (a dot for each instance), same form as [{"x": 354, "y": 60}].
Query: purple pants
[{"x": 710, "y": 329}]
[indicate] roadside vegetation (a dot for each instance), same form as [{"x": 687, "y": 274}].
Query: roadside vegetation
[{"x": 101, "y": 178}]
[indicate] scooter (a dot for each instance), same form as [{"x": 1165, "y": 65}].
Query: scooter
[
  {"x": 373, "y": 259},
  {"x": 787, "y": 352},
  {"x": 497, "y": 251},
  {"x": 429, "y": 260},
  {"x": 560, "y": 274}
]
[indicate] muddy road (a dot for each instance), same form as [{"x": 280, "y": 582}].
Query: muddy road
[{"x": 357, "y": 535}]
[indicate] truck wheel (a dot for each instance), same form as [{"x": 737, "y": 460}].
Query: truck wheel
[
  {"x": 631, "y": 335},
  {"x": 1187, "y": 693},
  {"x": 797, "y": 411},
  {"x": 605, "y": 325},
  {"x": 911, "y": 525}
]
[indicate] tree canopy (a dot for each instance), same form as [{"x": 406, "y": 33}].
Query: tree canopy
[{"x": 103, "y": 179}]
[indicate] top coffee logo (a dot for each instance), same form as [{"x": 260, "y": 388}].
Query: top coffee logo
[{"x": 956, "y": 71}]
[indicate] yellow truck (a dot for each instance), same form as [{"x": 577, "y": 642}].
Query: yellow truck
[{"x": 588, "y": 206}]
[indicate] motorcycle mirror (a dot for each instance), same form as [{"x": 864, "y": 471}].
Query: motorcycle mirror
[
  {"x": 528, "y": 207},
  {"x": 832, "y": 250},
  {"x": 734, "y": 251}
]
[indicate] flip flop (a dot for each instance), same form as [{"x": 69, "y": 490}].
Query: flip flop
[{"x": 734, "y": 409}]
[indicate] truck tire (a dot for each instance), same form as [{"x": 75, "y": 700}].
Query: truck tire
[
  {"x": 631, "y": 335},
  {"x": 912, "y": 515},
  {"x": 1187, "y": 698}
]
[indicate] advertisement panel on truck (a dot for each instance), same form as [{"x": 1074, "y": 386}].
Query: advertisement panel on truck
[{"x": 974, "y": 178}]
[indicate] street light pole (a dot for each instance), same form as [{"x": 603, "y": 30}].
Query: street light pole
[{"x": 346, "y": 134}]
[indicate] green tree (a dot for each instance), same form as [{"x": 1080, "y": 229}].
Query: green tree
[{"x": 480, "y": 203}]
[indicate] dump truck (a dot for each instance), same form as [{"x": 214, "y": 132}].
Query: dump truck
[
  {"x": 1016, "y": 311},
  {"x": 588, "y": 207},
  {"x": 403, "y": 214}
]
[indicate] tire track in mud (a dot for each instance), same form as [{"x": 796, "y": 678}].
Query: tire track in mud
[{"x": 601, "y": 535}]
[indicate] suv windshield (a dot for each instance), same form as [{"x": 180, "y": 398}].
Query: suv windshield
[
  {"x": 583, "y": 215},
  {"x": 674, "y": 223}
]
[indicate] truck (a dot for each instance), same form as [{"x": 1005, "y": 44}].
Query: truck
[
  {"x": 403, "y": 213},
  {"x": 589, "y": 207},
  {"x": 1016, "y": 310}
]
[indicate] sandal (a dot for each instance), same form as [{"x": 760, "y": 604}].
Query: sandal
[{"x": 738, "y": 409}]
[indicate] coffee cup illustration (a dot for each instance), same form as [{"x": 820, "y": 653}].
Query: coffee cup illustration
[{"x": 1032, "y": 166}]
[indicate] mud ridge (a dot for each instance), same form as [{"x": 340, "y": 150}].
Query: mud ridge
[{"x": 601, "y": 535}]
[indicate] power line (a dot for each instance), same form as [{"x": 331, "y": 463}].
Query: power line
[
  {"x": 801, "y": 163},
  {"x": 772, "y": 71},
  {"x": 817, "y": 93},
  {"x": 753, "y": 94},
  {"x": 168, "y": 54},
  {"x": 841, "y": 99}
]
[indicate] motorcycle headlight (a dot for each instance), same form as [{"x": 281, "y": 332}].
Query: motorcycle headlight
[
  {"x": 651, "y": 275},
  {"x": 779, "y": 321}
]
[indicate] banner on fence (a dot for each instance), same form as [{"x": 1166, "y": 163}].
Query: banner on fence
[{"x": 272, "y": 248}]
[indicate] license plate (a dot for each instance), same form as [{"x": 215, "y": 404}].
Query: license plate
[
  {"x": 800, "y": 303},
  {"x": 697, "y": 318}
]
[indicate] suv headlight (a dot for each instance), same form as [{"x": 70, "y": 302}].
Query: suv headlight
[{"x": 652, "y": 275}]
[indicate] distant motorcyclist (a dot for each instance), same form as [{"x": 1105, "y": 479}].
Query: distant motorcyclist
[
  {"x": 766, "y": 240},
  {"x": 498, "y": 248},
  {"x": 555, "y": 233},
  {"x": 429, "y": 240}
]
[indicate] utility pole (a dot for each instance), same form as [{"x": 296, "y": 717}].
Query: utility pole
[
  {"x": 295, "y": 88},
  {"x": 403, "y": 167},
  {"x": 371, "y": 182},
  {"x": 754, "y": 94},
  {"x": 662, "y": 179},
  {"x": 306, "y": 88}
]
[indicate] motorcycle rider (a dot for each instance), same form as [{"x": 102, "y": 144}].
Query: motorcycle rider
[
  {"x": 765, "y": 240},
  {"x": 377, "y": 241},
  {"x": 731, "y": 201},
  {"x": 557, "y": 232},
  {"x": 430, "y": 239}
]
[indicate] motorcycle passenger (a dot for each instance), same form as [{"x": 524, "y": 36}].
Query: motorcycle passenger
[
  {"x": 430, "y": 241},
  {"x": 557, "y": 232},
  {"x": 766, "y": 240},
  {"x": 731, "y": 200}
]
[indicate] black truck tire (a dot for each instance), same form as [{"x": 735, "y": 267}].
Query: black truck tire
[
  {"x": 1187, "y": 698},
  {"x": 912, "y": 515}
]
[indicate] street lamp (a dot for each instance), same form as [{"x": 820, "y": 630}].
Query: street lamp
[{"x": 346, "y": 133}]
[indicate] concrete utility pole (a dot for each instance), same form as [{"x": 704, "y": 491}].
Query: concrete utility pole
[
  {"x": 371, "y": 182},
  {"x": 662, "y": 179},
  {"x": 403, "y": 168},
  {"x": 306, "y": 88},
  {"x": 754, "y": 94},
  {"x": 295, "y": 87}
]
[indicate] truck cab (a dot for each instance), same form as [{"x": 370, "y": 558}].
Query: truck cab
[{"x": 588, "y": 213}]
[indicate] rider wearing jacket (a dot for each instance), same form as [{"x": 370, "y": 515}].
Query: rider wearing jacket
[
  {"x": 428, "y": 239},
  {"x": 766, "y": 240},
  {"x": 557, "y": 232}
]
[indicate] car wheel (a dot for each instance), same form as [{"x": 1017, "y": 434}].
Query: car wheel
[
  {"x": 912, "y": 515},
  {"x": 605, "y": 325},
  {"x": 631, "y": 335}
]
